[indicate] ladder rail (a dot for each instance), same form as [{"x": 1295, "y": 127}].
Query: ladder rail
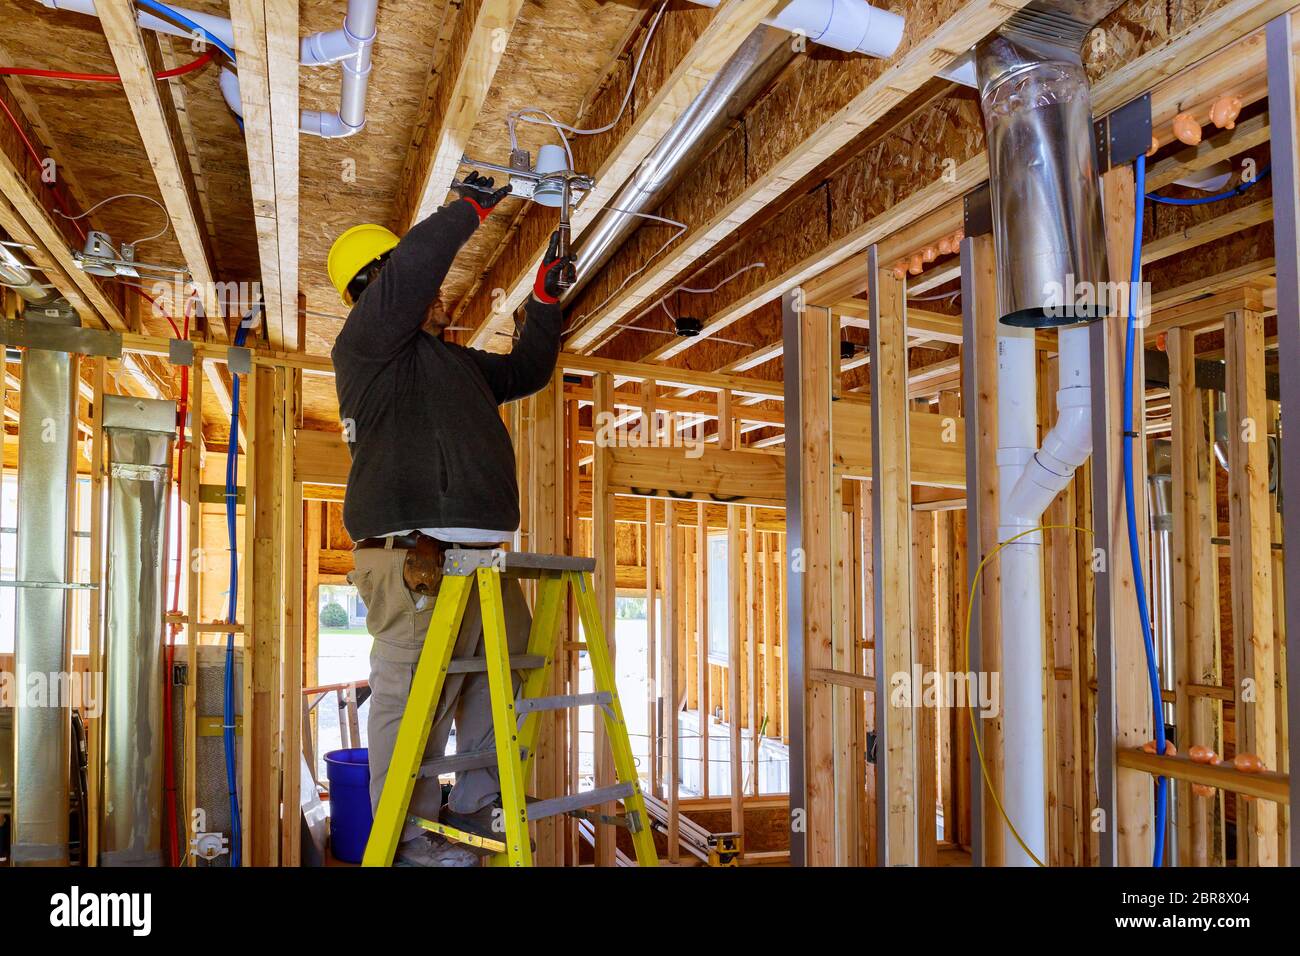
[
  {"x": 510, "y": 769},
  {"x": 417, "y": 722},
  {"x": 603, "y": 679},
  {"x": 515, "y": 726}
]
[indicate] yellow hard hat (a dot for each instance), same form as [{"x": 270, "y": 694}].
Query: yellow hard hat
[{"x": 353, "y": 251}]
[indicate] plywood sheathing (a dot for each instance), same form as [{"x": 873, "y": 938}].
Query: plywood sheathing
[
  {"x": 92, "y": 133},
  {"x": 558, "y": 52},
  {"x": 344, "y": 182},
  {"x": 1135, "y": 29}
]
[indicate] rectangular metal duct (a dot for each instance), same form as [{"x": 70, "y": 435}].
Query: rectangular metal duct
[
  {"x": 42, "y": 656},
  {"x": 139, "y": 438}
]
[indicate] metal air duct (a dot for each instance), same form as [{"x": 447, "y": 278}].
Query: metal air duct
[
  {"x": 1046, "y": 198},
  {"x": 42, "y": 655},
  {"x": 757, "y": 61},
  {"x": 139, "y": 436}
]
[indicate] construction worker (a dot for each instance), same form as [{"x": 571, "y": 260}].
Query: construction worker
[{"x": 432, "y": 468}]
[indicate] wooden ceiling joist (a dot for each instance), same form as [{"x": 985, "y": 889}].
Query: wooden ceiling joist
[
  {"x": 933, "y": 37},
  {"x": 266, "y": 43},
  {"x": 482, "y": 30},
  {"x": 118, "y": 18},
  {"x": 27, "y": 220},
  {"x": 620, "y": 152},
  {"x": 1222, "y": 51}
]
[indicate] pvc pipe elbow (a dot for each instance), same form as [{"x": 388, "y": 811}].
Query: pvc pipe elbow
[
  {"x": 1069, "y": 443},
  {"x": 229, "y": 83},
  {"x": 326, "y": 125}
]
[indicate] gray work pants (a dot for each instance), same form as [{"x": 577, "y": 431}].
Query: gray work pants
[{"x": 398, "y": 620}]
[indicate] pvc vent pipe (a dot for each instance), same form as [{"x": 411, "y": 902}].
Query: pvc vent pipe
[
  {"x": 1049, "y": 236},
  {"x": 852, "y": 26},
  {"x": 349, "y": 47}
]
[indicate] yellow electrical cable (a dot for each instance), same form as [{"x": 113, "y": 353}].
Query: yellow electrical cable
[{"x": 965, "y": 639}]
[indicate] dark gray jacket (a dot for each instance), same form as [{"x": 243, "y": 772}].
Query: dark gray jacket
[{"x": 429, "y": 449}]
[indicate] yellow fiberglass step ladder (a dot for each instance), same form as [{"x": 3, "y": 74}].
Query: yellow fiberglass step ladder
[{"x": 516, "y": 720}]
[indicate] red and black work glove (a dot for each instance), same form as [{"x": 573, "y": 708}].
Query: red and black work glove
[
  {"x": 555, "y": 274},
  {"x": 478, "y": 192}
]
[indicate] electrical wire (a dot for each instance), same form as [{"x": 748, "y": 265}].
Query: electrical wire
[
  {"x": 39, "y": 160},
  {"x": 528, "y": 113},
  {"x": 681, "y": 230},
  {"x": 970, "y": 711},
  {"x": 662, "y": 301},
  {"x": 196, "y": 64},
  {"x": 167, "y": 222},
  {"x": 1130, "y": 507},
  {"x": 178, "y": 17},
  {"x": 1237, "y": 190},
  {"x": 228, "y": 694}
]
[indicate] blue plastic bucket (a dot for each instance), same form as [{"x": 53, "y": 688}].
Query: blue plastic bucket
[{"x": 348, "y": 772}]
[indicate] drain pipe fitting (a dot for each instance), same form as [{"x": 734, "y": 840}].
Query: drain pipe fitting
[
  {"x": 1050, "y": 242},
  {"x": 349, "y": 47}
]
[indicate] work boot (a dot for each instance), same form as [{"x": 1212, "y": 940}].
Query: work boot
[{"x": 431, "y": 849}]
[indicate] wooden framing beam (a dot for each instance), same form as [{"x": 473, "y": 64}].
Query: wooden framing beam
[
  {"x": 1132, "y": 826},
  {"x": 1224, "y": 144},
  {"x": 896, "y": 763},
  {"x": 708, "y": 40},
  {"x": 1201, "y": 60},
  {"x": 1250, "y": 523},
  {"x": 478, "y": 42},
  {"x": 1195, "y": 624},
  {"x": 118, "y": 18},
  {"x": 604, "y": 548},
  {"x": 27, "y": 220},
  {"x": 266, "y": 42},
  {"x": 934, "y": 36}
]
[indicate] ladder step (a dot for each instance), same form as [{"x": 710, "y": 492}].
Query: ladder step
[
  {"x": 478, "y": 665},
  {"x": 463, "y": 562},
  {"x": 457, "y": 763},
  {"x": 526, "y": 705},
  {"x": 541, "y": 809}
]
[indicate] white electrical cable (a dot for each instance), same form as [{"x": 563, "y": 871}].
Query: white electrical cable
[
  {"x": 662, "y": 302},
  {"x": 681, "y": 230},
  {"x": 681, "y": 288},
  {"x": 167, "y": 222},
  {"x": 523, "y": 115}
]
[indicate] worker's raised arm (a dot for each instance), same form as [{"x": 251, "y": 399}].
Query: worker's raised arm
[
  {"x": 530, "y": 364},
  {"x": 389, "y": 313}
]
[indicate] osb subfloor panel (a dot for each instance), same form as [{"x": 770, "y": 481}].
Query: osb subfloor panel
[
  {"x": 558, "y": 54},
  {"x": 92, "y": 136},
  {"x": 348, "y": 181}
]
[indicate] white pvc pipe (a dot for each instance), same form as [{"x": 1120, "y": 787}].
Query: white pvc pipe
[
  {"x": 853, "y": 26},
  {"x": 217, "y": 26},
  {"x": 349, "y": 47},
  {"x": 1028, "y": 481}
]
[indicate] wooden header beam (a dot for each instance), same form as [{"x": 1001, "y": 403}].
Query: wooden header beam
[
  {"x": 118, "y": 18},
  {"x": 477, "y": 44},
  {"x": 732, "y": 21},
  {"x": 933, "y": 38}
]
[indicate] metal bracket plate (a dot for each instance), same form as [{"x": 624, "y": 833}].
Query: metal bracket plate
[
  {"x": 977, "y": 212},
  {"x": 1123, "y": 134},
  {"x": 180, "y": 351},
  {"x": 239, "y": 359},
  {"x": 54, "y": 337}
]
